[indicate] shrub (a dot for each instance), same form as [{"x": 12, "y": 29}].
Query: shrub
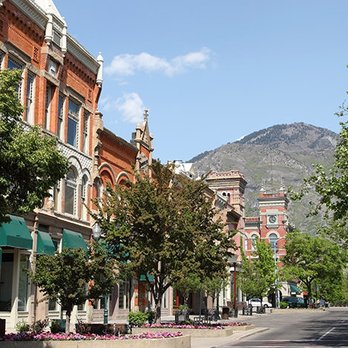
[
  {"x": 22, "y": 327},
  {"x": 150, "y": 316},
  {"x": 283, "y": 305},
  {"x": 58, "y": 325},
  {"x": 39, "y": 326},
  {"x": 137, "y": 318}
]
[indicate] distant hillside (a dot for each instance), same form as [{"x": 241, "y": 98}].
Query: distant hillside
[{"x": 281, "y": 155}]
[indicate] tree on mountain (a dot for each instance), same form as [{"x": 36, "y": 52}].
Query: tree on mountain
[
  {"x": 30, "y": 163},
  {"x": 166, "y": 226},
  {"x": 259, "y": 273},
  {"x": 312, "y": 259}
]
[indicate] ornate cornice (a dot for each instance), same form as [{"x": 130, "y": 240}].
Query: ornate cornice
[
  {"x": 31, "y": 10},
  {"x": 82, "y": 54}
]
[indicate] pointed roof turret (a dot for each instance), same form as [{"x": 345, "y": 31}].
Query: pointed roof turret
[{"x": 49, "y": 7}]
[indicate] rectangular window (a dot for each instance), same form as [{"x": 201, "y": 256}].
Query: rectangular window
[
  {"x": 73, "y": 122},
  {"x": 29, "y": 99},
  {"x": 85, "y": 132},
  {"x": 6, "y": 282},
  {"x": 69, "y": 200},
  {"x": 23, "y": 282},
  {"x": 11, "y": 65},
  {"x": 52, "y": 68},
  {"x": 49, "y": 97},
  {"x": 52, "y": 305},
  {"x": 60, "y": 116},
  {"x": 123, "y": 295}
]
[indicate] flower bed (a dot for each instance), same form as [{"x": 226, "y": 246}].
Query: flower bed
[
  {"x": 143, "y": 340},
  {"x": 212, "y": 330},
  {"x": 47, "y": 336},
  {"x": 213, "y": 326}
]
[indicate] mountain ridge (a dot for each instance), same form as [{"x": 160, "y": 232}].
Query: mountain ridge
[{"x": 280, "y": 155}]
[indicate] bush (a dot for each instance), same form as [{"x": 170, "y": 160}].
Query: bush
[
  {"x": 150, "y": 316},
  {"x": 39, "y": 326},
  {"x": 58, "y": 325},
  {"x": 283, "y": 305},
  {"x": 137, "y": 318},
  {"x": 22, "y": 327}
]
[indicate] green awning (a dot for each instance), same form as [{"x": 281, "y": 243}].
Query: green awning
[
  {"x": 73, "y": 240},
  {"x": 45, "y": 244},
  {"x": 142, "y": 278},
  {"x": 294, "y": 289},
  {"x": 15, "y": 234}
]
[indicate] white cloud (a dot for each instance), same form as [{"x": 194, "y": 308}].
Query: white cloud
[
  {"x": 131, "y": 107},
  {"x": 129, "y": 64}
]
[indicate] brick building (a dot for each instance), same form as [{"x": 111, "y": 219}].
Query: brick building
[{"x": 60, "y": 89}]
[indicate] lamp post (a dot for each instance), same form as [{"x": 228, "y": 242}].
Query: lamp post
[
  {"x": 235, "y": 289},
  {"x": 97, "y": 232}
]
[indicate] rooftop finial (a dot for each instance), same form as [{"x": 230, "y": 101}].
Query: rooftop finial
[{"x": 146, "y": 115}]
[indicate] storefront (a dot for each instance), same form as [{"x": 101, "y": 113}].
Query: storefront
[{"x": 15, "y": 243}]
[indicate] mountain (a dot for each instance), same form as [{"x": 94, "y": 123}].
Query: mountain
[{"x": 281, "y": 155}]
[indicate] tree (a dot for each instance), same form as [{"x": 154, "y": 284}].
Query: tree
[
  {"x": 312, "y": 259},
  {"x": 166, "y": 225},
  {"x": 259, "y": 273},
  {"x": 73, "y": 276},
  {"x": 331, "y": 186},
  {"x": 30, "y": 163},
  {"x": 191, "y": 283}
]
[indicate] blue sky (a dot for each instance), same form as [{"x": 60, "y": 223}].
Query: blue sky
[{"x": 212, "y": 71}]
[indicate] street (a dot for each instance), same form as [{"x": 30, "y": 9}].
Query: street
[
  {"x": 299, "y": 328},
  {"x": 289, "y": 328}
]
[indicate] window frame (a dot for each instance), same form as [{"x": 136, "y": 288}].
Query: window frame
[{"x": 75, "y": 118}]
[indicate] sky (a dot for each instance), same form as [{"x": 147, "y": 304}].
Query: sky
[{"x": 213, "y": 71}]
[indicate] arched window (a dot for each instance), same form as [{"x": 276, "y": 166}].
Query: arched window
[
  {"x": 84, "y": 197},
  {"x": 254, "y": 239},
  {"x": 70, "y": 192},
  {"x": 98, "y": 189},
  {"x": 273, "y": 241}
]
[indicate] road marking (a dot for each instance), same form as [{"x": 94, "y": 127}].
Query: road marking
[{"x": 326, "y": 333}]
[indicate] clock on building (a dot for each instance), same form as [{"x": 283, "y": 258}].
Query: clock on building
[{"x": 272, "y": 219}]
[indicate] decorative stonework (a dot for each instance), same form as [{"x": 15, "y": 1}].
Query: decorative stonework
[
  {"x": 82, "y": 55},
  {"x": 34, "y": 12},
  {"x": 84, "y": 160}
]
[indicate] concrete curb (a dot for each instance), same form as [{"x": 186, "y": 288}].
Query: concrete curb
[
  {"x": 239, "y": 335},
  {"x": 209, "y": 342}
]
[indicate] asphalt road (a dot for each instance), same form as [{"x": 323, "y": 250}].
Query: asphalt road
[{"x": 296, "y": 328}]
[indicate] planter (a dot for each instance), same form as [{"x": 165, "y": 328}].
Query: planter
[
  {"x": 227, "y": 331},
  {"x": 173, "y": 342}
]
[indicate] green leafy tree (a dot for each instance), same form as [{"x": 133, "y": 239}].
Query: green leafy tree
[
  {"x": 166, "y": 226},
  {"x": 312, "y": 259},
  {"x": 30, "y": 163},
  {"x": 73, "y": 276},
  {"x": 259, "y": 273},
  {"x": 190, "y": 284}
]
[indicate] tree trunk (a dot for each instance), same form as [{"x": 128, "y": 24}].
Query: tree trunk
[
  {"x": 158, "y": 310},
  {"x": 67, "y": 320}
]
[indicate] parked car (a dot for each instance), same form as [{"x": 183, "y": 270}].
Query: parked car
[
  {"x": 256, "y": 302},
  {"x": 294, "y": 302}
]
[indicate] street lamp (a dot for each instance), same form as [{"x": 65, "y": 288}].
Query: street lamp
[
  {"x": 97, "y": 232},
  {"x": 235, "y": 289}
]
